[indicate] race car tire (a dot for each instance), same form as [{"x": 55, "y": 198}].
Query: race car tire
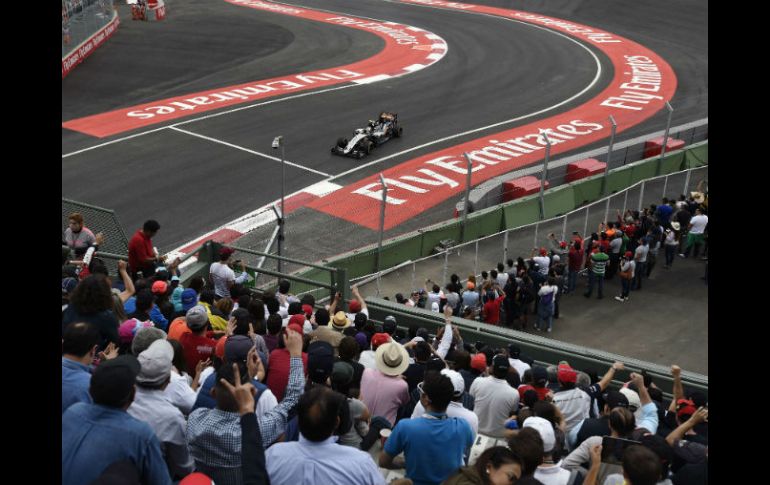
[
  {"x": 342, "y": 142},
  {"x": 397, "y": 132},
  {"x": 368, "y": 147}
]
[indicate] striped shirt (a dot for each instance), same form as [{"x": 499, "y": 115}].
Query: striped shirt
[{"x": 600, "y": 262}]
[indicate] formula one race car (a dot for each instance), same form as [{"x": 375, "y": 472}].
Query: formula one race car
[{"x": 365, "y": 139}]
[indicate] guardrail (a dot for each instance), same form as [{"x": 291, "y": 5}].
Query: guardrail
[{"x": 543, "y": 350}]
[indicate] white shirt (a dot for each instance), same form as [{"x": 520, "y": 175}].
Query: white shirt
[
  {"x": 699, "y": 224},
  {"x": 179, "y": 393},
  {"x": 495, "y": 402},
  {"x": 574, "y": 404},
  {"x": 641, "y": 253},
  {"x": 544, "y": 263},
  {"x": 520, "y": 366},
  {"x": 552, "y": 474},
  {"x": 454, "y": 410},
  {"x": 352, "y": 316},
  {"x": 169, "y": 425},
  {"x": 223, "y": 277},
  {"x": 366, "y": 359},
  {"x": 502, "y": 279}
]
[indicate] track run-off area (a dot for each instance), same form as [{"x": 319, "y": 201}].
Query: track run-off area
[{"x": 627, "y": 81}]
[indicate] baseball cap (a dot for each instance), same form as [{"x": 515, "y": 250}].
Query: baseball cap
[
  {"x": 196, "y": 317},
  {"x": 379, "y": 339},
  {"x": 189, "y": 299},
  {"x": 155, "y": 363},
  {"x": 479, "y": 362},
  {"x": 545, "y": 428},
  {"x": 500, "y": 363},
  {"x": 628, "y": 254},
  {"x": 175, "y": 278},
  {"x": 298, "y": 319},
  {"x": 539, "y": 376},
  {"x": 342, "y": 373},
  {"x": 307, "y": 310},
  {"x": 556, "y": 258},
  {"x": 355, "y": 306},
  {"x": 615, "y": 399},
  {"x": 159, "y": 287},
  {"x": 296, "y": 327},
  {"x": 457, "y": 381},
  {"x": 566, "y": 374},
  {"x": 219, "y": 350},
  {"x": 226, "y": 252},
  {"x": 543, "y": 252},
  {"x": 196, "y": 478},
  {"x": 237, "y": 347},
  {"x": 389, "y": 324},
  {"x": 127, "y": 330},
  {"x": 514, "y": 351},
  {"x": 634, "y": 402},
  {"x": 685, "y": 408},
  {"x": 68, "y": 284},
  {"x": 320, "y": 361}
]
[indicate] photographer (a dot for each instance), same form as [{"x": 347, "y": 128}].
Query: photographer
[{"x": 222, "y": 276}]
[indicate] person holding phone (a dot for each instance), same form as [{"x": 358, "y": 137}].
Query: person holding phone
[{"x": 222, "y": 276}]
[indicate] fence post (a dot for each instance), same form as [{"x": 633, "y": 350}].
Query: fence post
[
  {"x": 446, "y": 266},
  {"x": 687, "y": 182},
  {"x": 343, "y": 286},
  {"x": 625, "y": 201},
  {"x": 545, "y": 173},
  {"x": 414, "y": 272},
  {"x": 505, "y": 246},
  {"x": 466, "y": 203},
  {"x": 641, "y": 196},
  {"x": 382, "y": 228},
  {"x": 665, "y": 185},
  {"x": 665, "y": 139},
  {"x": 564, "y": 228},
  {"x": 476, "y": 260},
  {"x": 607, "y": 210},
  {"x": 537, "y": 225},
  {"x": 585, "y": 224},
  {"x": 609, "y": 156}
]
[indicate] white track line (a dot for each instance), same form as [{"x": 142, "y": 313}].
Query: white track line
[{"x": 215, "y": 140}]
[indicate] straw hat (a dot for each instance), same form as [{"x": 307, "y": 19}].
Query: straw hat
[{"x": 391, "y": 359}]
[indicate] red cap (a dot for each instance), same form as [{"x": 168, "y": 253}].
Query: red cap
[
  {"x": 543, "y": 252},
  {"x": 355, "y": 306},
  {"x": 295, "y": 327},
  {"x": 219, "y": 350},
  {"x": 479, "y": 362},
  {"x": 685, "y": 407},
  {"x": 307, "y": 310},
  {"x": 629, "y": 254},
  {"x": 196, "y": 478},
  {"x": 379, "y": 339},
  {"x": 298, "y": 319},
  {"x": 566, "y": 374},
  {"x": 226, "y": 252},
  {"x": 159, "y": 287},
  {"x": 563, "y": 244}
]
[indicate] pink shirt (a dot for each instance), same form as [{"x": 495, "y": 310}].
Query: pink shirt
[{"x": 382, "y": 394}]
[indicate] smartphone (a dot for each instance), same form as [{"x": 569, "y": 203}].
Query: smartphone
[{"x": 613, "y": 448}]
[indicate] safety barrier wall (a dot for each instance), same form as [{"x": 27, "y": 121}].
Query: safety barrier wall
[
  {"x": 521, "y": 212},
  {"x": 544, "y": 351},
  {"x": 86, "y": 25}
]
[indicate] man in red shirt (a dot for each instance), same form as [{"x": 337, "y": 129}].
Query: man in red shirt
[
  {"x": 280, "y": 359},
  {"x": 141, "y": 254},
  {"x": 196, "y": 345},
  {"x": 491, "y": 309}
]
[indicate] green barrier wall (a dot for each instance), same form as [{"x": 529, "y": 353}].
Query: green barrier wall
[{"x": 558, "y": 200}]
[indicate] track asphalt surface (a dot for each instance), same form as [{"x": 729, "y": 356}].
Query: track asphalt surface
[{"x": 494, "y": 70}]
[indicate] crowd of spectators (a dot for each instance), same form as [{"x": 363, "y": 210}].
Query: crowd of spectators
[
  {"x": 211, "y": 383},
  {"x": 533, "y": 285}
]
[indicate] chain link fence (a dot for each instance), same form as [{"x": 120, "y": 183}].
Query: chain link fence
[
  {"x": 98, "y": 219},
  {"x": 80, "y": 19},
  {"x": 483, "y": 254}
]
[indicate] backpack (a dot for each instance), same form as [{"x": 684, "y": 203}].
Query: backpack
[{"x": 546, "y": 299}]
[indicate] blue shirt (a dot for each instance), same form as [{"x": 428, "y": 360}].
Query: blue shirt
[
  {"x": 306, "y": 462},
  {"x": 433, "y": 448},
  {"x": 94, "y": 436},
  {"x": 75, "y": 381},
  {"x": 156, "y": 316}
]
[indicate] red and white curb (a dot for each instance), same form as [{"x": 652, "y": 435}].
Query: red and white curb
[
  {"x": 264, "y": 215},
  {"x": 407, "y": 49}
]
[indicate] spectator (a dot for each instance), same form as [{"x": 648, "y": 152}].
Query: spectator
[
  {"x": 99, "y": 434},
  {"x": 160, "y": 290},
  {"x": 217, "y": 319},
  {"x": 514, "y": 357},
  {"x": 541, "y": 260},
  {"x": 181, "y": 389},
  {"x": 383, "y": 389},
  {"x": 616, "y": 244},
  {"x": 151, "y": 406},
  {"x": 316, "y": 458},
  {"x": 547, "y": 295},
  {"x": 197, "y": 346},
  {"x": 496, "y": 466},
  {"x": 527, "y": 293},
  {"x": 78, "y": 237},
  {"x": 597, "y": 426},
  {"x": 641, "y": 466},
  {"x": 470, "y": 297},
  {"x": 279, "y": 373},
  {"x": 367, "y": 358},
  {"x": 494, "y": 399},
  {"x": 215, "y": 435},
  {"x": 455, "y": 408},
  {"x": 640, "y": 258},
  {"x": 222, "y": 276},
  {"x": 348, "y": 352},
  {"x": 332, "y": 332},
  {"x": 494, "y": 296},
  {"x": 574, "y": 403},
  {"x": 433, "y": 445},
  {"x": 695, "y": 231},
  {"x": 435, "y": 295},
  {"x": 274, "y": 327},
  {"x": 528, "y": 445},
  {"x": 627, "y": 271},
  {"x": 79, "y": 344},
  {"x": 141, "y": 254},
  {"x": 640, "y": 403},
  {"x": 341, "y": 378},
  {"x": 597, "y": 265},
  {"x": 91, "y": 302},
  {"x": 549, "y": 472},
  {"x": 671, "y": 243}
]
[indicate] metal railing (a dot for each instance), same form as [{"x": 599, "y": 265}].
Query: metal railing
[{"x": 81, "y": 19}]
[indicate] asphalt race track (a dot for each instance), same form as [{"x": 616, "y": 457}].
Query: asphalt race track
[{"x": 494, "y": 70}]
